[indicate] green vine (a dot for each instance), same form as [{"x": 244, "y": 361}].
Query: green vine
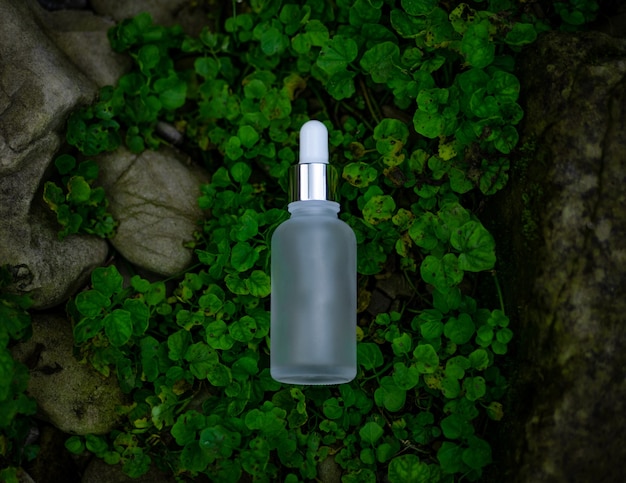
[{"x": 421, "y": 102}]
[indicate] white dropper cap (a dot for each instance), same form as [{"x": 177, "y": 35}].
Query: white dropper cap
[
  {"x": 313, "y": 178},
  {"x": 313, "y": 143}
]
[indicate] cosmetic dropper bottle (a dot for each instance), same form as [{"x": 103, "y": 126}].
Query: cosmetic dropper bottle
[{"x": 313, "y": 273}]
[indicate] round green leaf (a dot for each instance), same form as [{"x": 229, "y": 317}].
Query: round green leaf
[
  {"x": 79, "y": 190},
  {"x": 107, "y": 280},
  {"x": 243, "y": 330},
  {"x": 418, "y": 7},
  {"x": 337, "y": 54},
  {"x": 427, "y": 360},
  {"x": 359, "y": 174},
  {"x": 91, "y": 302},
  {"x": 443, "y": 273},
  {"x": 389, "y": 395},
  {"x": 455, "y": 426},
  {"x": 476, "y": 245},
  {"x": 381, "y": 61},
  {"x": 369, "y": 355},
  {"x": 378, "y": 209},
  {"x": 450, "y": 458},
  {"x": 259, "y": 284},
  {"x": 201, "y": 358},
  {"x": 371, "y": 432},
  {"x": 479, "y": 359},
  {"x": 243, "y": 256},
  {"x": 118, "y": 327},
  {"x": 521, "y": 34},
  {"x": 408, "y": 467},
  {"x": 332, "y": 409},
  {"x": 478, "y": 49},
  {"x": 475, "y": 388},
  {"x": 478, "y": 455},
  {"x": 248, "y": 136},
  {"x": 459, "y": 330},
  {"x": 405, "y": 377}
]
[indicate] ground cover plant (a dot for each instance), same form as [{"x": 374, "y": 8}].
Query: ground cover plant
[
  {"x": 421, "y": 101},
  {"x": 16, "y": 406}
]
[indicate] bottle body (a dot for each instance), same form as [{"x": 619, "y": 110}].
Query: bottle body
[{"x": 313, "y": 301}]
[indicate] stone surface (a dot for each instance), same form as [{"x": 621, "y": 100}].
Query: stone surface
[
  {"x": 154, "y": 197},
  {"x": 38, "y": 89},
  {"x": 72, "y": 30},
  {"x": 564, "y": 247},
  {"x": 73, "y": 397}
]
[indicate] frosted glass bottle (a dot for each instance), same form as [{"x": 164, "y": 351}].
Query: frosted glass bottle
[{"x": 313, "y": 273}]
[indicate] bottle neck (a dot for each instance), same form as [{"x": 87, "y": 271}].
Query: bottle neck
[{"x": 313, "y": 207}]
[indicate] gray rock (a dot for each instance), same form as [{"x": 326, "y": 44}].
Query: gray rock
[
  {"x": 154, "y": 197},
  {"x": 72, "y": 396},
  {"x": 82, "y": 36},
  {"x": 568, "y": 278},
  {"x": 38, "y": 89}
]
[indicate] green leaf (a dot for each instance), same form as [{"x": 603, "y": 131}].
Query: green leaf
[
  {"x": 332, "y": 408},
  {"x": 478, "y": 49},
  {"x": 241, "y": 171},
  {"x": 408, "y": 467},
  {"x": 79, "y": 190},
  {"x": 340, "y": 85},
  {"x": 455, "y": 426},
  {"x": 405, "y": 377},
  {"x": 187, "y": 426},
  {"x": 378, "y": 209},
  {"x": 107, "y": 280},
  {"x": 359, "y": 174},
  {"x": 478, "y": 455},
  {"x": 521, "y": 34},
  {"x": 177, "y": 344},
  {"x": 259, "y": 284},
  {"x": 475, "y": 388},
  {"x": 118, "y": 327},
  {"x": 390, "y": 136},
  {"x": 422, "y": 231},
  {"x": 248, "y": 136},
  {"x": 202, "y": 359},
  {"x": 217, "y": 335},
  {"x": 450, "y": 458},
  {"x": 381, "y": 61},
  {"x": 75, "y": 445},
  {"x": 476, "y": 245},
  {"x": 65, "y": 163},
  {"x": 389, "y": 395},
  {"x": 337, "y": 54},
  {"x": 371, "y": 432},
  {"x": 418, "y": 7},
  {"x": 243, "y": 256},
  {"x": 443, "y": 273},
  {"x": 427, "y": 360},
  {"x": 172, "y": 92},
  {"x": 369, "y": 355},
  {"x": 91, "y": 303},
  {"x": 479, "y": 359},
  {"x": 459, "y": 330},
  {"x": 243, "y": 330}
]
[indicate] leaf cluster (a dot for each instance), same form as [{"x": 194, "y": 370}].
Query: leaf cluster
[
  {"x": 420, "y": 100},
  {"x": 80, "y": 206},
  {"x": 15, "y": 405}
]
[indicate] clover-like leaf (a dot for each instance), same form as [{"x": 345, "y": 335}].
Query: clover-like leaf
[
  {"x": 337, "y": 54},
  {"x": 476, "y": 245},
  {"x": 378, "y": 209}
]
